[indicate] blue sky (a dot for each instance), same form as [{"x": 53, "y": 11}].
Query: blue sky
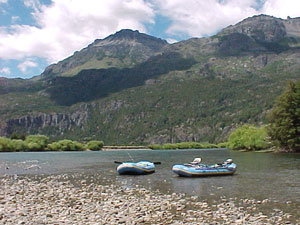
[{"x": 37, "y": 33}]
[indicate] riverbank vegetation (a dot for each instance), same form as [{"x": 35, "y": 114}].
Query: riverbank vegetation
[
  {"x": 249, "y": 137},
  {"x": 42, "y": 143},
  {"x": 284, "y": 129},
  {"x": 186, "y": 145}
]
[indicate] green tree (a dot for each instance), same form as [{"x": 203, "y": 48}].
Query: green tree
[
  {"x": 249, "y": 137},
  {"x": 284, "y": 118}
]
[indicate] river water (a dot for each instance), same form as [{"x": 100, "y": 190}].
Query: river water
[{"x": 259, "y": 175}]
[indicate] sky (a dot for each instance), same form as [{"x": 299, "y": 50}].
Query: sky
[{"x": 37, "y": 33}]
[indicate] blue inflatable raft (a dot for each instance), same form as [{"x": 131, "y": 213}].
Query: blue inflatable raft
[
  {"x": 200, "y": 170},
  {"x": 136, "y": 168}
]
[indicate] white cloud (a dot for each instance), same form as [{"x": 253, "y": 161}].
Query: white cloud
[
  {"x": 66, "y": 26},
  {"x": 26, "y": 64},
  {"x": 5, "y": 71},
  {"x": 200, "y": 18},
  {"x": 282, "y": 8}
]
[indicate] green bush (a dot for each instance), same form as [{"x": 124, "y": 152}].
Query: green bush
[
  {"x": 94, "y": 145},
  {"x": 40, "y": 142},
  {"x": 66, "y": 145},
  {"x": 18, "y": 145},
  {"x": 249, "y": 137},
  {"x": 5, "y": 144},
  {"x": 37, "y": 142},
  {"x": 55, "y": 146}
]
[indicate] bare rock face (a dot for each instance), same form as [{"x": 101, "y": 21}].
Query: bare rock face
[
  {"x": 35, "y": 122},
  {"x": 292, "y": 26},
  {"x": 260, "y": 28}
]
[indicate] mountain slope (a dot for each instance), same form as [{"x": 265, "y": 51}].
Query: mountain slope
[
  {"x": 195, "y": 90},
  {"x": 123, "y": 49}
]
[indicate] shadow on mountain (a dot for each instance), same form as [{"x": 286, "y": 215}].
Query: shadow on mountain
[
  {"x": 18, "y": 85},
  {"x": 93, "y": 84},
  {"x": 237, "y": 44}
]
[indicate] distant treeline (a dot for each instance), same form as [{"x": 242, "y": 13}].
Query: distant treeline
[{"x": 20, "y": 143}]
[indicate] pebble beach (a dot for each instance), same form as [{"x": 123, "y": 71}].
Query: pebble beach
[{"x": 57, "y": 199}]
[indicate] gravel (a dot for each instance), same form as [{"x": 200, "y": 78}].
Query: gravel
[{"x": 56, "y": 199}]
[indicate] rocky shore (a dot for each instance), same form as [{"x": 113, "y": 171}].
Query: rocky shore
[{"x": 57, "y": 199}]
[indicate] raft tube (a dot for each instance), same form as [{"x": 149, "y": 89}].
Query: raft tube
[
  {"x": 136, "y": 168},
  {"x": 204, "y": 170}
]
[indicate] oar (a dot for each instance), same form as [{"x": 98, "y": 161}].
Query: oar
[{"x": 118, "y": 162}]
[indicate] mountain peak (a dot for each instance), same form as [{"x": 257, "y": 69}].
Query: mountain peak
[
  {"x": 266, "y": 28},
  {"x": 125, "y": 48},
  {"x": 127, "y": 35},
  {"x": 260, "y": 27}
]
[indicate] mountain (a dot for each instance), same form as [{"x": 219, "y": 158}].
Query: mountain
[
  {"x": 131, "y": 88},
  {"x": 123, "y": 49}
]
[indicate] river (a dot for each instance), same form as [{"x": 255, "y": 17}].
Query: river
[{"x": 259, "y": 175}]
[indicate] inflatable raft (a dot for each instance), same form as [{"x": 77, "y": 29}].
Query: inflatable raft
[
  {"x": 200, "y": 170},
  {"x": 136, "y": 168}
]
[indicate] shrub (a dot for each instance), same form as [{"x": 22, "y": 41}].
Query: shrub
[
  {"x": 18, "y": 145},
  {"x": 66, "y": 145},
  {"x": 5, "y": 144},
  {"x": 55, "y": 146},
  {"x": 94, "y": 145},
  {"x": 15, "y": 145},
  {"x": 37, "y": 142},
  {"x": 249, "y": 137}
]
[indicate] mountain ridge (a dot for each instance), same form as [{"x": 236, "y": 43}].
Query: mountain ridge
[{"x": 136, "y": 48}]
